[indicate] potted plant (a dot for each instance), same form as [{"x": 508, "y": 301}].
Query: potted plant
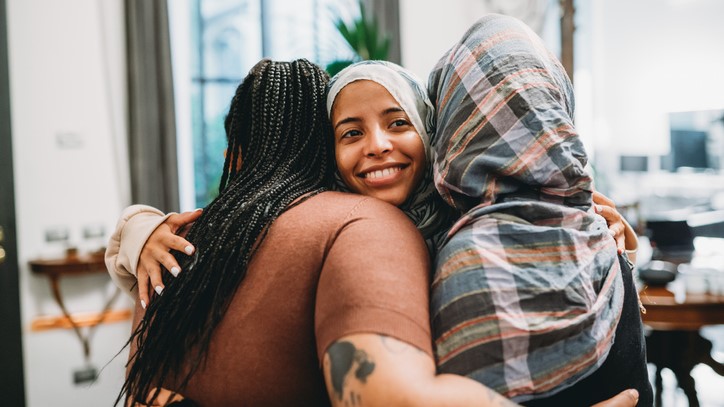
[{"x": 364, "y": 38}]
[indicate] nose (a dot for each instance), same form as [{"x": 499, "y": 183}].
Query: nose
[{"x": 378, "y": 143}]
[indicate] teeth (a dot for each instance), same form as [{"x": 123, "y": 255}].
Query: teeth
[{"x": 382, "y": 173}]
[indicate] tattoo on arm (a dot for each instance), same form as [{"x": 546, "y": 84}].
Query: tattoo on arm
[
  {"x": 342, "y": 356},
  {"x": 345, "y": 358}
]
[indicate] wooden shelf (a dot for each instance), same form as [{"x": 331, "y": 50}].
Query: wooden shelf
[
  {"x": 70, "y": 265},
  {"x": 79, "y": 319}
]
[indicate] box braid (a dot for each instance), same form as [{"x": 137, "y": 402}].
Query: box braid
[{"x": 278, "y": 119}]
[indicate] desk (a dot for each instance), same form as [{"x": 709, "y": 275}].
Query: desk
[{"x": 676, "y": 318}]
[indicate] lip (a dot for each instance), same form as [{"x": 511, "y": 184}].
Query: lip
[{"x": 383, "y": 180}]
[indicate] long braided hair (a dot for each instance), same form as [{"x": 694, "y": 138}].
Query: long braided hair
[{"x": 278, "y": 120}]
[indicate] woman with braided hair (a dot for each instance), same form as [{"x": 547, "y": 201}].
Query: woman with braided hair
[{"x": 275, "y": 120}]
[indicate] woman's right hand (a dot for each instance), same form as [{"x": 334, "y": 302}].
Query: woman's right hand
[{"x": 155, "y": 253}]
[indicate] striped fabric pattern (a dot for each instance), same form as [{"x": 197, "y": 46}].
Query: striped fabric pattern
[{"x": 527, "y": 290}]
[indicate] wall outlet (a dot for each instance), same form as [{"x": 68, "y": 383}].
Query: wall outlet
[{"x": 85, "y": 375}]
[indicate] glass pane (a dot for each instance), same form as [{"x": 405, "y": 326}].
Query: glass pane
[
  {"x": 329, "y": 42},
  {"x": 210, "y": 101},
  {"x": 231, "y": 37},
  {"x": 290, "y": 28},
  {"x": 305, "y": 29}
]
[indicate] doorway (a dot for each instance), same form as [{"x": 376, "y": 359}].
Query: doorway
[{"x": 12, "y": 381}]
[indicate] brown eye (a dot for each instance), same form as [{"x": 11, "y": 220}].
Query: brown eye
[
  {"x": 351, "y": 133},
  {"x": 400, "y": 122}
]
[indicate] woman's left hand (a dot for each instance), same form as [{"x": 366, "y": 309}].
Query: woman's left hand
[{"x": 617, "y": 225}]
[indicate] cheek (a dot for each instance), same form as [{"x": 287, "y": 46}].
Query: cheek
[{"x": 345, "y": 162}]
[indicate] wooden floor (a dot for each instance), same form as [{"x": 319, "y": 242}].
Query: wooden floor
[{"x": 709, "y": 385}]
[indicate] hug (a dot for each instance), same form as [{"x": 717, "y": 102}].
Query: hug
[{"x": 376, "y": 241}]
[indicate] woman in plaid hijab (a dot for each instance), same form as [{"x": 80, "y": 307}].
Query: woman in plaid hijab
[{"x": 528, "y": 290}]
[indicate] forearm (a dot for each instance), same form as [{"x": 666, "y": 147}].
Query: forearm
[
  {"x": 375, "y": 370},
  {"x": 453, "y": 390}
]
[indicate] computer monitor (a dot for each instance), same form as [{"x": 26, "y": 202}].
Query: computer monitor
[
  {"x": 689, "y": 149},
  {"x": 696, "y": 140}
]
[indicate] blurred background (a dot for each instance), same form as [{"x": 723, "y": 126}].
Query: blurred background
[{"x": 104, "y": 103}]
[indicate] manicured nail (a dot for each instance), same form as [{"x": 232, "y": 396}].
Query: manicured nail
[
  {"x": 143, "y": 304},
  {"x": 175, "y": 270},
  {"x": 612, "y": 233},
  {"x": 198, "y": 209},
  {"x": 159, "y": 289},
  {"x": 189, "y": 250},
  {"x": 597, "y": 208}
]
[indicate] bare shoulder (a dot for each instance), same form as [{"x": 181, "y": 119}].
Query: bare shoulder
[{"x": 334, "y": 204}]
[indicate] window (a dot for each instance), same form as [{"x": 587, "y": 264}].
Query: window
[{"x": 214, "y": 44}]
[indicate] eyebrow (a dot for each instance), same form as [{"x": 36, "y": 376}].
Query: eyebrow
[
  {"x": 347, "y": 120},
  {"x": 387, "y": 111}
]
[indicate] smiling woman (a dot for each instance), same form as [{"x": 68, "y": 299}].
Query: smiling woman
[
  {"x": 379, "y": 152},
  {"x": 382, "y": 119}
]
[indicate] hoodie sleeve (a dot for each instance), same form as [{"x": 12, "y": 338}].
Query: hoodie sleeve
[{"x": 135, "y": 225}]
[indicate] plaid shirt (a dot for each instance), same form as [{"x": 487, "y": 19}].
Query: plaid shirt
[{"x": 527, "y": 291}]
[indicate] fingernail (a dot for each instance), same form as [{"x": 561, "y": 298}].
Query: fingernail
[
  {"x": 198, "y": 209},
  {"x": 143, "y": 304},
  {"x": 159, "y": 289},
  {"x": 611, "y": 232},
  {"x": 189, "y": 250},
  {"x": 597, "y": 208},
  {"x": 175, "y": 270}
]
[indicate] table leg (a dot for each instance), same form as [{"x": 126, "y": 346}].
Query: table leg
[
  {"x": 84, "y": 339},
  {"x": 680, "y": 351},
  {"x": 658, "y": 383}
]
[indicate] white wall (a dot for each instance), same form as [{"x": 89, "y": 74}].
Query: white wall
[
  {"x": 428, "y": 28},
  {"x": 652, "y": 57},
  {"x": 67, "y": 85}
]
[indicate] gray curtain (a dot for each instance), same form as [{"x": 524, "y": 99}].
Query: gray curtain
[
  {"x": 387, "y": 13},
  {"x": 152, "y": 128}
]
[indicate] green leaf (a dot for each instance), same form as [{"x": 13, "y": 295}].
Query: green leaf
[
  {"x": 364, "y": 37},
  {"x": 335, "y": 67}
]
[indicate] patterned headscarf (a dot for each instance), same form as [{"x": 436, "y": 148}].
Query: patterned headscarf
[
  {"x": 424, "y": 207},
  {"x": 528, "y": 291}
]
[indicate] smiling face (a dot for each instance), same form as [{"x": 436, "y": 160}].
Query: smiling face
[{"x": 379, "y": 153}]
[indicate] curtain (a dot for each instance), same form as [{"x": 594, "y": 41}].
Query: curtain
[
  {"x": 387, "y": 13},
  {"x": 152, "y": 129}
]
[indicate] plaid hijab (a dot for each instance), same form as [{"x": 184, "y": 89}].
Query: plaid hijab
[
  {"x": 424, "y": 207},
  {"x": 527, "y": 291}
]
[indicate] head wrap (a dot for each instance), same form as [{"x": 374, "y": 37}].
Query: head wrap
[
  {"x": 424, "y": 207},
  {"x": 527, "y": 291}
]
